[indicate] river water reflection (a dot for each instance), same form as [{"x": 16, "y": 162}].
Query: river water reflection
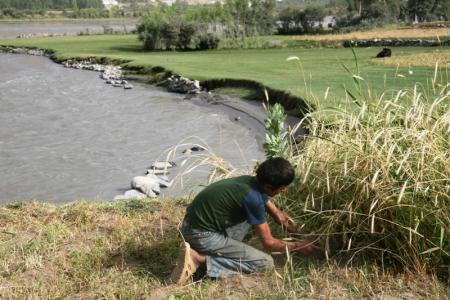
[{"x": 66, "y": 135}]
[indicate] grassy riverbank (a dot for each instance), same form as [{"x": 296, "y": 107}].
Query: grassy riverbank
[
  {"x": 319, "y": 70},
  {"x": 126, "y": 250}
]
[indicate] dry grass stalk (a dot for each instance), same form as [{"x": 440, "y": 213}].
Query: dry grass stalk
[
  {"x": 380, "y": 34},
  {"x": 206, "y": 161},
  {"x": 417, "y": 60}
]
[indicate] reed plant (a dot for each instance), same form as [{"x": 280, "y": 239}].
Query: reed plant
[
  {"x": 373, "y": 182},
  {"x": 276, "y": 140}
]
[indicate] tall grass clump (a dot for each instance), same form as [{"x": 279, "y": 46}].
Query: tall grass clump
[{"x": 374, "y": 183}]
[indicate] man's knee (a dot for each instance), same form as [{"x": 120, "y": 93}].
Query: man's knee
[
  {"x": 269, "y": 264},
  {"x": 265, "y": 262}
]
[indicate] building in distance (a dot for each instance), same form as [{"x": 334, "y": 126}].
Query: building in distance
[{"x": 108, "y": 4}]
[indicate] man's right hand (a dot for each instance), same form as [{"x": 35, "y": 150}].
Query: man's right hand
[{"x": 306, "y": 248}]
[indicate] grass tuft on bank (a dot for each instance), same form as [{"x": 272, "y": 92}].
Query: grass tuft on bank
[{"x": 374, "y": 183}]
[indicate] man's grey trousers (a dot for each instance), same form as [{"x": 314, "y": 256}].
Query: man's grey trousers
[{"x": 226, "y": 254}]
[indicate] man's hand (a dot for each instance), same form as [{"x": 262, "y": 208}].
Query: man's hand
[
  {"x": 282, "y": 218},
  {"x": 305, "y": 248},
  {"x": 308, "y": 249}
]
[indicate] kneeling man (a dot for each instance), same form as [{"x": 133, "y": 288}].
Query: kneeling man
[{"x": 221, "y": 215}]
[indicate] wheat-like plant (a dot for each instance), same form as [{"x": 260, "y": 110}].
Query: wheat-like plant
[{"x": 374, "y": 183}]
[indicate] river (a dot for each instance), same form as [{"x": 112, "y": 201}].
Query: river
[{"x": 66, "y": 135}]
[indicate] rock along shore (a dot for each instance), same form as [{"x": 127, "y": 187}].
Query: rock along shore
[
  {"x": 111, "y": 74},
  {"x": 396, "y": 43}
]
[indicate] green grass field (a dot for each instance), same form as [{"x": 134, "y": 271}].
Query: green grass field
[{"x": 323, "y": 67}]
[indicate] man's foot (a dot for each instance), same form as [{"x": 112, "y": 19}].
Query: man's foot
[{"x": 186, "y": 265}]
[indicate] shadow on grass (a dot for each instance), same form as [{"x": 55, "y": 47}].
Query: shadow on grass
[
  {"x": 293, "y": 105},
  {"x": 129, "y": 48},
  {"x": 135, "y": 49},
  {"x": 155, "y": 258}
]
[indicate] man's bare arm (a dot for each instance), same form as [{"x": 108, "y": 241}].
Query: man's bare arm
[
  {"x": 276, "y": 245},
  {"x": 282, "y": 218}
]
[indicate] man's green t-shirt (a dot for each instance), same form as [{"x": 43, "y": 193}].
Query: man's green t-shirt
[{"x": 226, "y": 203}]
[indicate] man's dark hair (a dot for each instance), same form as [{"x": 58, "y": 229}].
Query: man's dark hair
[{"x": 275, "y": 171}]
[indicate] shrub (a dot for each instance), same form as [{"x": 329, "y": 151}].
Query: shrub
[
  {"x": 375, "y": 183},
  {"x": 207, "y": 41},
  {"x": 236, "y": 20},
  {"x": 169, "y": 34},
  {"x": 107, "y": 29},
  {"x": 294, "y": 20},
  {"x": 187, "y": 32},
  {"x": 149, "y": 31}
]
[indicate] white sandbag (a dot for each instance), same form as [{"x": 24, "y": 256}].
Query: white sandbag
[
  {"x": 146, "y": 184},
  {"x": 163, "y": 181},
  {"x": 165, "y": 184},
  {"x": 157, "y": 172},
  {"x": 162, "y": 165},
  {"x": 131, "y": 194}
]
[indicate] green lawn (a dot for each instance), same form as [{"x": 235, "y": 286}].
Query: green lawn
[{"x": 323, "y": 67}]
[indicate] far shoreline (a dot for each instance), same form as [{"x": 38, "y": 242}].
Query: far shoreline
[
  {"x": 35, "y": 20},
  {"x": 238, "y": 109},
  {"x": 228, "y": 104}
]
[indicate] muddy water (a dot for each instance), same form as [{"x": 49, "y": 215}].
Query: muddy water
[
  {"x": 66, "y": 135},
  {"x": 12, "y": 29}
]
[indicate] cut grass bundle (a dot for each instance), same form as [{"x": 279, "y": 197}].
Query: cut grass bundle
[{"x": 374, "y": 184}]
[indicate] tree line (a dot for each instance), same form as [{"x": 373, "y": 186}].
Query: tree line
[
  {"x": 350, "y": 15},
  {"x": 66, "y": 8},
  {"x": 50, "y": 4},
  {"x": 186, "y": 27},
  {"x": 293, "y": 16},
  {"x": 399, "y": 10}
]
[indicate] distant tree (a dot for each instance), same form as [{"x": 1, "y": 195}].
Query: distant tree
[
  {"x": 50, "y": 4},
  {"x": 169, "y": 35},
  {"x": 240, "y": 15},
  {"x": 207, "y": 41},
  {"x": 428, "y": 10},
  {"x": 149, "y": 30},
  {"x": 186, "y": 35},
  {"x": 295, "y": 20},
  {"x": 264, "y": 15},
  {"x": 355, "y": 6},
  {"x": 74, "y": 5},
  {"x": 369, "y": 13},
  {"x": 311, "y": 19},
  {"x": 375, "y": 9}
]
